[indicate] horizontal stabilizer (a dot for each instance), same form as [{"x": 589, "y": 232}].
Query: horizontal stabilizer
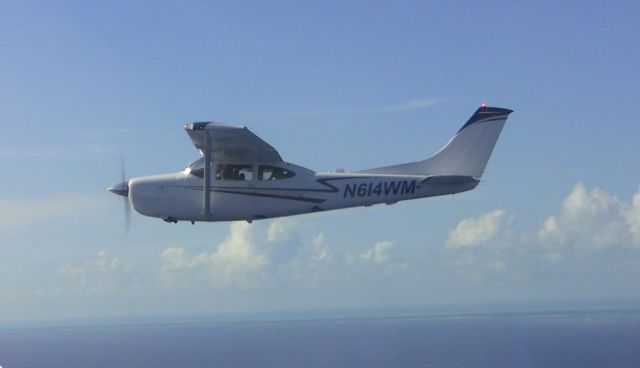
[{"x": 450, "y": 180}]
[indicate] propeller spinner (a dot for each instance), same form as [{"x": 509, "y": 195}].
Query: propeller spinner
[{"x": 122, "y": 189}]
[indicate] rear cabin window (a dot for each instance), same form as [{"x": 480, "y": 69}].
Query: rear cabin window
[
  {"x": 234, "y": 172},
  {"x": 274, "y": 173}
]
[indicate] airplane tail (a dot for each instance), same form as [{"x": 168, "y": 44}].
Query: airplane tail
[{"x": 467, "y": 152}]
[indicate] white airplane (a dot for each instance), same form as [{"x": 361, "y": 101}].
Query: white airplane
[{"x": 241, "y": 177}]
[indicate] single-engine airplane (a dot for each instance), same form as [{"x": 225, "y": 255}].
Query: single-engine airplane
[{"x": 242, "y": 177}]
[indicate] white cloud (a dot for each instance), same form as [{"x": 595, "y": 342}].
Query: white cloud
[
  {"x": 587, "y": 219},
  {"x": 632, "y": 218},
  {"x": 280, "y": 229},
  {"x": 593, "y": 220},
  {"x": 588, "y": 222},
  {"x": 101, "y": 263},
  {"x": 239, "y": 252},
  {"x": 237, "y": 261},
  {"x": 379, "y": 253},
  {"x": 100, "y": 274},
  {"x": 472, "y": 232},
  {"x": 258, "y": 257},
  {"x": 320, "y": 249},
  {"x": 487, "y": 247},
  {"x": 283, "y": 240},
  {"x": 175, "y": 259},
  {"x": 252, "y": 256}
]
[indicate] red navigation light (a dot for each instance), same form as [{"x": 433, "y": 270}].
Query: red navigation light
[{"x": 484, "y": 105}]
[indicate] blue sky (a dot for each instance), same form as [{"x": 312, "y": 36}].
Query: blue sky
[{"x": 330, "y": 85}]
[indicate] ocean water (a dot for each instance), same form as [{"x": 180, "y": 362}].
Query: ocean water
[{"x": 593, "y": 339}]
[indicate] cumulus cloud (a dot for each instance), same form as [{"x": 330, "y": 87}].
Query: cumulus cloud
[
  {"x": 486, "y": 247},
  {"x": 320, "y": 249},
  {"x": 239, "y": 252},
  {"x": 283, "y": 240},
  {"x": 587, "y": 219},
  {"x": 101, "y": 263},
  {"x": 280, "y": 229},
  {"x": 101, "y": 274},
  {"x": 593, "y": 220},
  {"x": 587, "y": 222},
  {"x": 236, "y": 261},
  {"x": 632, "y": 218},
  {"x": 472, "y": 232},
  {"x": 249, "y": 257},
  {"x": 379, "y": 253}
]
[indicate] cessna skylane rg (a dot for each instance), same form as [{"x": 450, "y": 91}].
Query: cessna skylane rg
[{"x": 242, "y": 177}]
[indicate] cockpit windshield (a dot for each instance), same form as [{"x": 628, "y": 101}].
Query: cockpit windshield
[
  {"x": 196, "y": 168},
  {"x": 197, "y": 164}
]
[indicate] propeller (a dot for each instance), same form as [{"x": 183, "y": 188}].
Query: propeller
[{"x": 122, "y": 189}]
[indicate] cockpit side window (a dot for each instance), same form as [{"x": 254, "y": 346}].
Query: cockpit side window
[
  {"x": 241, "y": 172},
  {"x": 274, "y": 173}
]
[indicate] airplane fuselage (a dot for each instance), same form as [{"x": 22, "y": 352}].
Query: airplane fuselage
[
  {"x": 242, "y": 177},
  {"x": 178, "y": 197}
]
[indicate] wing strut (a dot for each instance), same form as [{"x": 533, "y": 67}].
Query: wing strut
[{"x": 206, "y": 192}]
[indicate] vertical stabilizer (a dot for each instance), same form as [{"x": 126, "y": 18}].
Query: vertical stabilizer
[{"x": 467, "y": 152}]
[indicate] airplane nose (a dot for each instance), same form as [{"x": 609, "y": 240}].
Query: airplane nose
[{"x": 120, "y": 189}]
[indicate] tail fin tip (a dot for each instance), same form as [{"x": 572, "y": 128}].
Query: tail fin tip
[{"x": 486, "y": 113}]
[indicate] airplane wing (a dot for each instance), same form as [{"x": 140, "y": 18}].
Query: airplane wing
[{"x": 228, "y": 142}]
